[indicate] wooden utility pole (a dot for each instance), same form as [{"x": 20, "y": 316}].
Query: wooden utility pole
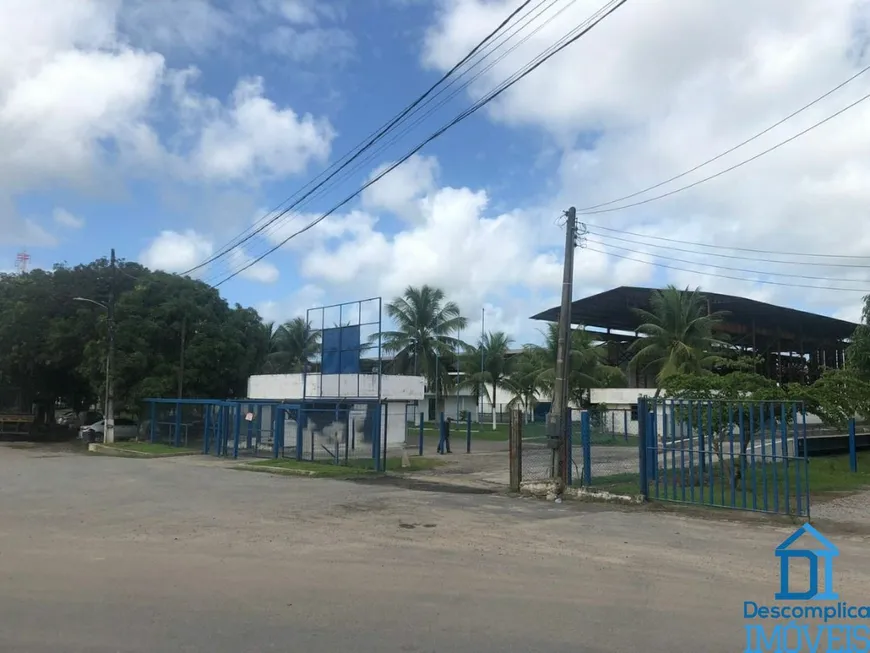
[{"x": 557, "y": 420}]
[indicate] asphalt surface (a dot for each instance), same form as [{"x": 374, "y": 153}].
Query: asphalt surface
[{"x": 130, "y": 556}]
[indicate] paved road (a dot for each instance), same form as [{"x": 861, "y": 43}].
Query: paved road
[{"x": 104, "y": 555}]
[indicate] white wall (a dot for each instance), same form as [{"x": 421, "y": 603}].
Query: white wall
[{"x": 290, "y": 386}]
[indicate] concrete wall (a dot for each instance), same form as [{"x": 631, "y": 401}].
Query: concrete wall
[
  {"x": 396, "y": 392},
  {"x": 290, "y": 386}
]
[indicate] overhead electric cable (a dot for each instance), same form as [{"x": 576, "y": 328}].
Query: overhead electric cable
[
  {"x": 733, "y": 256},
  {"x": 599, "y": 16},
  {"x": 730, "y": 168},
  {"x": 731, "y": 248},
  {"x": 725, "y": 267},
  {"x": 731, "y": 149},
  {"x": 274, "y": 225},
  {"x": 726, "y": 276},
  {"x": 378, "y": 135}
]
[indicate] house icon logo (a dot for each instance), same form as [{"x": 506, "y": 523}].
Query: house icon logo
[{"x": 824, "y": 550}]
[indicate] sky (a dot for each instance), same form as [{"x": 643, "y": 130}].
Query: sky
[{"x": 167, "y": 129}]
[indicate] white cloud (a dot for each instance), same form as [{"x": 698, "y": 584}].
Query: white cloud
[
  {"x": 401, "y": 191},
  {"x": 303, "y": 45},
  {"x": 194, "y": 25},
  {"x": 690, "y": 80},
  {"x": 252, "y": 138},
  {"x": 261, "y": 271},
  {"x": 66, "y": 219},
  {"x": 173, "y": 251},
  {"x": 296, "y": 305}
]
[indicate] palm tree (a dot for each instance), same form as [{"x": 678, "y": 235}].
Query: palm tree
[
  {"x": 525, "y": 379},
  {"x": 678, "y": 334},
  {"x": 422, "y": 342},
  {"x": 588, "y": 366},
  {"x": 488, "y": 365},
  {"x": 291, "y": 345}
]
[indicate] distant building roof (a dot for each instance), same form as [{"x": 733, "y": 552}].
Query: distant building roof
[{"x": 612, "y": 309}]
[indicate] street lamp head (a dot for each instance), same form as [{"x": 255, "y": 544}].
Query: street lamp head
[{"x": 90, "y": 301}]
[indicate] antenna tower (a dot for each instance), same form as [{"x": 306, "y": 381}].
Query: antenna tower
[{"x": 21, "y": 261}]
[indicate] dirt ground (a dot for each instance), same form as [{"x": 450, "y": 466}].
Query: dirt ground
[{"x": 134, "y": 556}]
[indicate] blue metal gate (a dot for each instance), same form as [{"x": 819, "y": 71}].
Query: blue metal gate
[{"x": 745, "y": 455}]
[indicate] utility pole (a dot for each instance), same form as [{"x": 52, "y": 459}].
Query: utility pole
[
  {"x": 557, "y": 420},
  {"x": 109, "y": 430},
  {"x": 181, "y": 358}
]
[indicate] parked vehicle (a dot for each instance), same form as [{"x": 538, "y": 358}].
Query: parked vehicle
[{"x": 125, "y": 429}]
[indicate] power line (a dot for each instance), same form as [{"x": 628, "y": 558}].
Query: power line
[
  {"x": 726, "y": 276},
  {"x": 729, "y": 169},
  {"x": 735, "y": 256},
  {"x": 732, "y": 149},
  {"x": 273, "y": 225},
  {"x": 371, "y": 141},
  {"x": 725, "y": 267},
  {"x": 599, "y": 16}
]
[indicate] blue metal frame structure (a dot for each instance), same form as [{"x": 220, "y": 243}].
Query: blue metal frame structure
[
  {"x": 224, "y": 427},
  {"x": 346, "y": 312}
]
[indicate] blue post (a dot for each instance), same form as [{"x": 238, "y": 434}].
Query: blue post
[
  {"x": 238, "y": 431},
  {"x": 422, "y": 424},
  {"x": 153, "y": 421},
  {"x": 853, "y": 448},
  {"x": 652, "y": 445},
  {"x": 176, "y": 439},
  {"x": 569, "y": 434},
  {"x": 250, "y": 435},
  {"x": 586, "y": 444},
  {"x": 300, "y": 436},
  {"x": 376, "y": 436},
  {"x": 277, "y": 427},
  {"x": 206, "y": 427},
  {"x": 219, "y": 430},
  {"x": 642, "y": 423},
  {"x": 468, "y": 432},
  {"x": 441, "y": 443},
  {"x": 259, "y": 437}
]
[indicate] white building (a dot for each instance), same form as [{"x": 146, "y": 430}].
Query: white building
[{"x": 358, "y": 390}]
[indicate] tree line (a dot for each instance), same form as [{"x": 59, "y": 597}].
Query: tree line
[{"x": 176, "y": 336}]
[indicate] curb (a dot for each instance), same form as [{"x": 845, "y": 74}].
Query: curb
[
  {"x": 547, "y": 491},
  {"x": 108, "y": 450}
]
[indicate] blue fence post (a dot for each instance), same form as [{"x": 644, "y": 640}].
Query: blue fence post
[
  {"x": 219, "y": 430},
  {"x": 238, "y": 430},
  {"x": 586, "y": 445},
  {"x": 625, "y": 424},
  {"x": 853, "y": 448},
  {"x": 376, "y": 436},
  {"x": 153, "y": 421},
  {"x": 277, "y": 427},
  {"x": 250, "y": 435},
  {"x": 468, "y": 432},
  {"x": 206, "y": 427},
  {"x": 300, "y": 435},
  {"x": 441, "y": 432},
  {"x": 643, "y": 464},
  {"x": 422, "y": 426},
  {"x": 652, "y": 445},
  {"x": 177, "y": 435}
]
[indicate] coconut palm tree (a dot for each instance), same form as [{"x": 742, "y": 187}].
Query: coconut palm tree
[
  {"x": 525, "y": 379},
  {"x": 588, "y": 366},
  {"x": 423, "y": 342},
  {"x": 678, "y": 335},
  {"x": 488, "y": 366},
  {"x": 291, "y": 345}
]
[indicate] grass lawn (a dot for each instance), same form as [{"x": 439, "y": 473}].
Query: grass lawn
[
  {"x": 151, "y": 449},
  {"x": 774, "y": 487},
  {"x": 353, "y": 467}
]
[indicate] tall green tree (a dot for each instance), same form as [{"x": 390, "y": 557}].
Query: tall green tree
[
  {"x": 291, "y": 345},
  {"x": 525, "y": 379},
  {"x": 588, "y": 365},
  {"x": 488, "y": 366},
  {"x": 424, "y": 341},
  {"x": 678, "y": 335},
  {"x": 858, "y": 352}
]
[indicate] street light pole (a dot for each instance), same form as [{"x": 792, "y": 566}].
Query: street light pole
[{"x": 109, "y": 409}]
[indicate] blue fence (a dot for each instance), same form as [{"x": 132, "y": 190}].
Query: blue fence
[
  {"x": 749, "y": 455},
  {"x": 315, "y": 431}
]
